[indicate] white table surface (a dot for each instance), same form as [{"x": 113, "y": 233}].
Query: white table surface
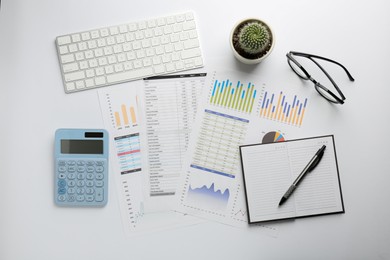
[{"x": 33, "y": 105}]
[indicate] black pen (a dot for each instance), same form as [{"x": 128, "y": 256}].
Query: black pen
[{"x": 309, "y": 167}]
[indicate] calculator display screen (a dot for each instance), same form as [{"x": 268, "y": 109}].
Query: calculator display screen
[{"x": 81, "y": 146}]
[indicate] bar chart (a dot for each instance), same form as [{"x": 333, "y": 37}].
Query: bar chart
[
  {"x": 283, "y": 108},
  {"x": 122, "y": 108},
  {"x": 125, "y": 117},
  {"x": 239, "y": 96}
]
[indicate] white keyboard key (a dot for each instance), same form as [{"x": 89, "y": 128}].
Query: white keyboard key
[
  {"x": 152, "y": 23},
  {"x": 74, "y": 76},
  {"x": 161, "y": 21},
  {"x": 159, "y": 69},
  {"x": 180, "y": 18},
  {"x": 89, "y": 83},
  {"x": 179, "y": 65},
  {"x": 142, "y": 25},
  {"x": 70, "y": 86},
  {"x": 64, "y": 40},
  {"x": 133, "y": 27},
  {"x": 189, "y": 44},
  {"x": 118, "y": 67},
  {"x": 127, "y": 65},
  {"x": 189, "y": 16},
  {"x": 80, "y": 84},
  {"x": 170, "y": 20},
  {"x": 85, "y": 36},
  {"x": 109, "y": 69},
  {"x": 79, "y": 56},
  {"x": 114, "y": 30},
  {"x": 70, "y": 67},
  {"x": 63, "y": 49},
  {"x": 100, "y": 81},
  {"x": 95, "y": 34},
  {"x": 90, "y": 73},
  {"x": 83, "y": 65},
  {"x": 198, "y": 61},
  {"x": 189, "y": 25},
  {"x": 67, "y": 58},
  {"x": 123, "y": 29},
  {"x": 76, "y": 37},
  {"x": 104, "y": 32},
  {"x": 124, "y": 76},
  {"x": 191, "y": 53},
  {"x": 170, "y": 67}
]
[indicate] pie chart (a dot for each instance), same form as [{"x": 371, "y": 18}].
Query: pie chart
[{"x": 272, "y": 137}]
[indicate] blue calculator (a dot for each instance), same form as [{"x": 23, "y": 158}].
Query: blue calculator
[{"x": 81, "y": 167}]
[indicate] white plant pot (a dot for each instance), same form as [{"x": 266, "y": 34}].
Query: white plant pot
[{"x": 244, "y": 59}]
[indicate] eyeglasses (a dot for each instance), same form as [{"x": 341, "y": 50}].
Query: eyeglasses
[{"x": 322, "y": 90}]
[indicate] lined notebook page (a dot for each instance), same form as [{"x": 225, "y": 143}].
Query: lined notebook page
[{"x": 270, "y": 169}]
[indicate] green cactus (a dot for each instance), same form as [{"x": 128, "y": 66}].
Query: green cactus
[{"x": 254, "y": 38}]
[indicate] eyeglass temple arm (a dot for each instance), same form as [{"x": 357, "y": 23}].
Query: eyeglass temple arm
[{"x": 326, "y": 59}]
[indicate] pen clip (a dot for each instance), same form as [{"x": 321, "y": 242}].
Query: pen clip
[{"x": 316, "y": 161}]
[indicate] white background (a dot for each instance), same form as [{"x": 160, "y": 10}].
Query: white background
[{"x": 33, "y": 105}]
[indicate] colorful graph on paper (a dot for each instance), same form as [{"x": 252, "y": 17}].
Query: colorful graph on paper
[
  {"x": 128, "y": 152},
  {"x": 238, "y": 96},
  {"x": 283, "y": 108},
  {"x": 210, "y": 196},
  {"x": 273, "y": 136},
  {"x": 122, "y": 117},
  {"x": 123, "y": 109}
]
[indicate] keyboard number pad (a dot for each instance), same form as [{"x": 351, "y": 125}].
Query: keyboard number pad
[{"x": 81, "y": 182}]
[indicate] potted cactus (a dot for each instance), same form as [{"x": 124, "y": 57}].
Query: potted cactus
[{"x": 252, "y": 40}]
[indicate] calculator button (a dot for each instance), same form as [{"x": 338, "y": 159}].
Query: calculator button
[
  {"x": 81, "y": 176},
  {"x": 89, "y": 198},
  {"x": 80, "y": 191},
  {"x": 61, "y": 198},
  {"x": 89, "y": 183},
  {"x": 71, "y": 162},
  {"x": 71, "y": 183},
  {"x": 90, "y": 169},
  {"x": 89, "y": 191},
  {"x": 71, "y": 190},
  {"x": 99, "y": 183},
  {"x": 62, "y": 176},
  {"x": 99, "y": 176},
  {"x": 99, "y": 194},
  {"x": 71, "y": 198},
  {"x": 80, "y": 197},
  {"x": 99, "y": 163},
  {"x": 71, "y": 168},
  {"x": 80, "y": 183},
  {"x": 61, "y": 183},
  {"x": 71, "y": 176},
  {"x": 90, "y": 163},
  {"x": 99, "y": 169},
  {"x": 80, "y": 163},
  {"x": 81, "y": 169},
  {"x": 62, "y": 169},
  {"x": 90, "y": 176},
  {"x": 61, "y": 163},
  {"x": 61, "y": 191}
]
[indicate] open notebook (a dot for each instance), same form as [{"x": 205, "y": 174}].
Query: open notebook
[{"x": 269, "y": 170}]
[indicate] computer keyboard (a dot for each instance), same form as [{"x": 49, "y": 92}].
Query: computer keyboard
[{"x": 116, "y": 54}]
